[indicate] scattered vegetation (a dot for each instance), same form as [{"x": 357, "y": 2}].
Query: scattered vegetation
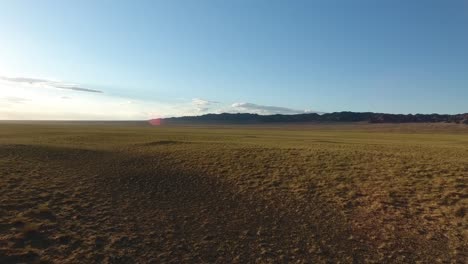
[
  {"x": 30, "y": 229},
  {"x": 129, "y": 193}
]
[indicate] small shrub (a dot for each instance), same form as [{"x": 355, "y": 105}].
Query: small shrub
[
  {"x": 460, "y": 212},
  {"x": 30, "y": 229}
]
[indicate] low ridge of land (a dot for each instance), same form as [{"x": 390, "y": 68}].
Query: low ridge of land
[{"x": 246, "y": 118}]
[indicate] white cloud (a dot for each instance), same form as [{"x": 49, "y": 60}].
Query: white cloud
[
  {"x": 23, "y": 100},
  {"x": 20, "y": 98},
  {"x": 14, "y": 100},
  {"x": 266, "y": 109},
  {"x": 48, "y": 83},
  {"x": 202, "y": 105}
]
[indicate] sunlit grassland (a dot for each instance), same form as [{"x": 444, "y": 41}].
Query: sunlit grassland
[{"x": 396, "y": 186}]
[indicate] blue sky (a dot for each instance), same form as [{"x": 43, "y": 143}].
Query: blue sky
[{"x": 170, "y": 58}]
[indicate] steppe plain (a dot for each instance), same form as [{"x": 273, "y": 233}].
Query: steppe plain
[{"x": 127, "y": 192}]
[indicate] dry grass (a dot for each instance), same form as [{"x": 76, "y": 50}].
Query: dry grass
[{"x": 323, "y": 193}]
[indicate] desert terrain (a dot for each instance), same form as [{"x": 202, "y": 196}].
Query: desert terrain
[{"x": 95, "y": 192}]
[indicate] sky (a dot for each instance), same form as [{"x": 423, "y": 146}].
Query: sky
[{"x": 133, "y": 60}]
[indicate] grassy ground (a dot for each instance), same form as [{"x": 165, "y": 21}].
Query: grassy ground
[{"x": 129, "y": 193}]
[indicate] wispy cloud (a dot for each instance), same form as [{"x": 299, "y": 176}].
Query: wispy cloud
[
  {"x": 15, "y": 100},
  {"x": 202, "y": 105},
  {"x": 49, "y": 83},
  {"x": 266, "y": 109},
  {"x": 23, "y": 80},
  {"x": 34, "y": 98},
  {"x": 80, "y": 89}
]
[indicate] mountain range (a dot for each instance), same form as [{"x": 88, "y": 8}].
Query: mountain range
[{"x": 370, "y": 117}]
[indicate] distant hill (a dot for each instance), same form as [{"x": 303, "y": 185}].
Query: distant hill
[{"x": 243, "y": 118}]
